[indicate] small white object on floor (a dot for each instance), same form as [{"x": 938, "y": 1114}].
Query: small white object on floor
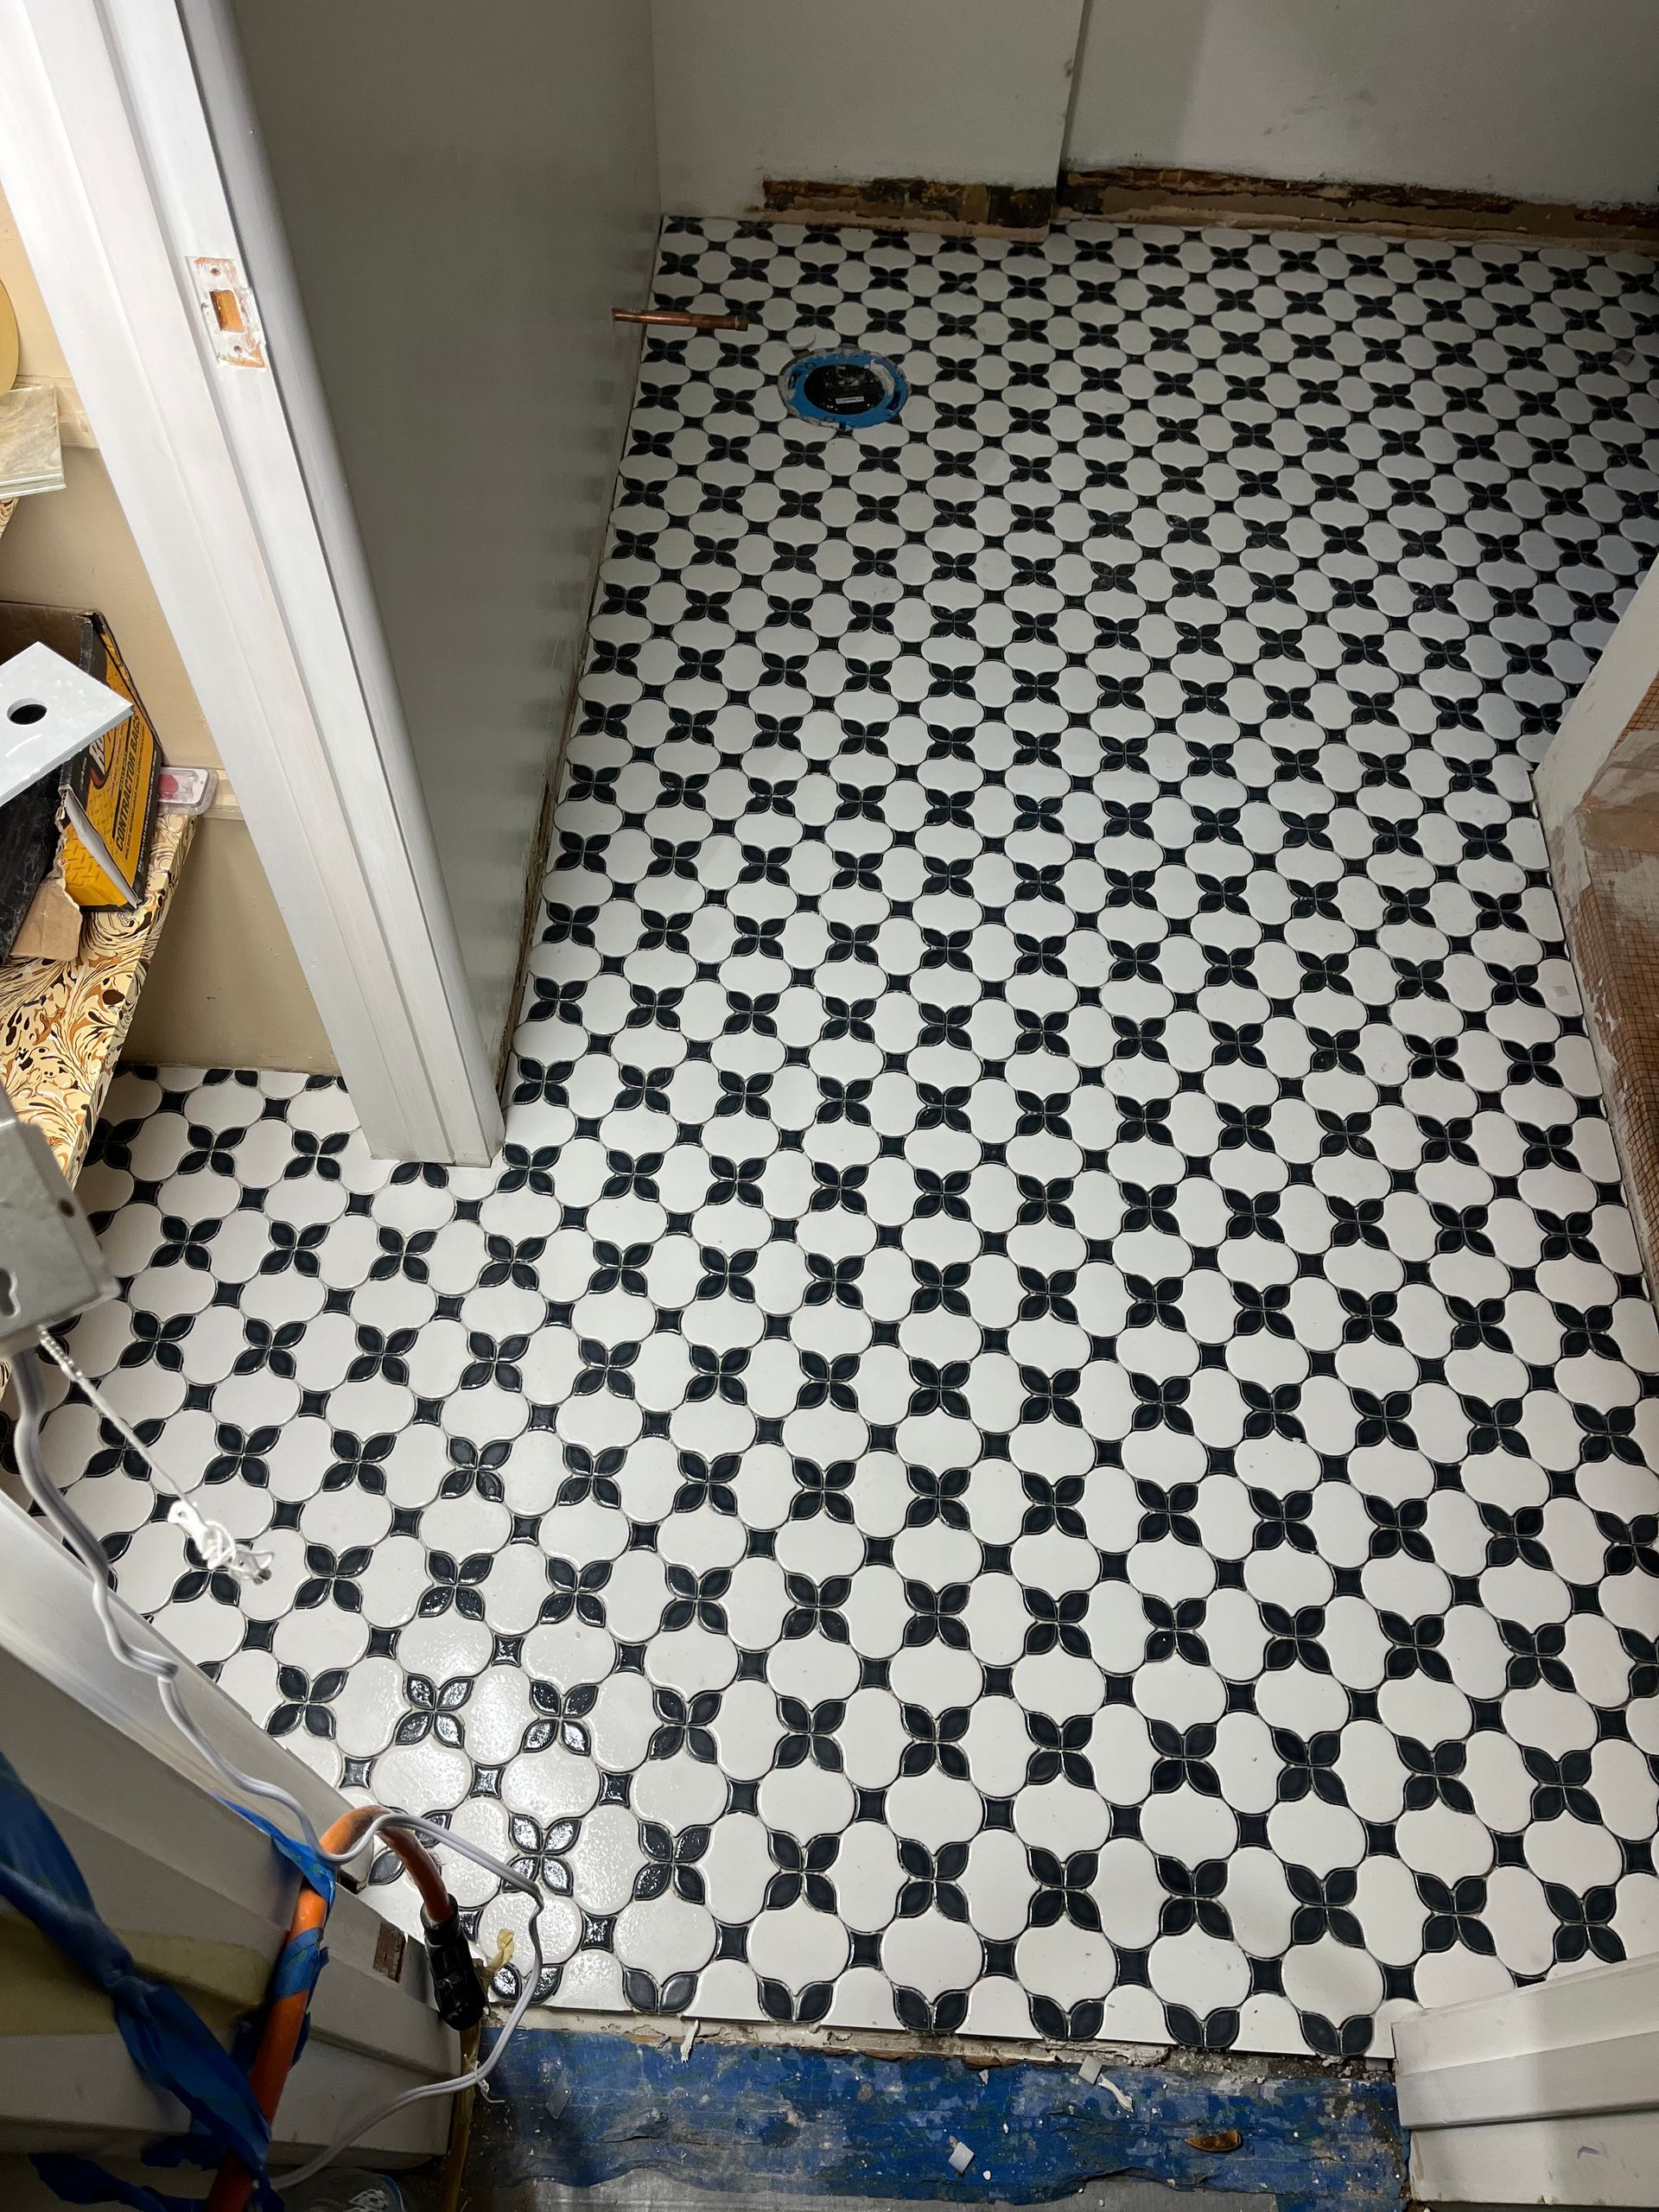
[
  {"x": 1091, "y": 2072},
  {"x": 961, "y": 2156},
  {"x": 221, "y": 1552},
  {"x": 691, "y": 2037}
]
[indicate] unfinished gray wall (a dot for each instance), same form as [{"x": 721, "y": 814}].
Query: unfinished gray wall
[
  {"x": 467, "y": 190},
  {"x": 970, "y": 91},
  {"x": 1536, "y": 99}
]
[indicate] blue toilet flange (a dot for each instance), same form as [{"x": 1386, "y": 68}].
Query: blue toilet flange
[{"x": 792, "y": 384}]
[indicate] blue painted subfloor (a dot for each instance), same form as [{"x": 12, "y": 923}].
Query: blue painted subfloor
[{"x": 579, "y": 2109}]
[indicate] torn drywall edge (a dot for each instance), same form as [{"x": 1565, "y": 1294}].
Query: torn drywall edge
[
  {"x": 1017, "y": 212},
  {"x": 1220, "y": 197}
]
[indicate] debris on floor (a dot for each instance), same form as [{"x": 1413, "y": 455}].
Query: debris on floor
[{"x": 845, "y": 2127}]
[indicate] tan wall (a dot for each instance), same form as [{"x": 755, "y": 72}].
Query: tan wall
[
  {"x": 72, "y": 549},
  {"x": 226, "y": 988}
]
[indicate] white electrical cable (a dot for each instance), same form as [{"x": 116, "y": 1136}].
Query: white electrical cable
[
  {"x": 217, "y": 1547},
  {"x": 418, "y": 1825},
  {"x": 161, "y": 1667},
  {"x": 163, "y": 1671}
]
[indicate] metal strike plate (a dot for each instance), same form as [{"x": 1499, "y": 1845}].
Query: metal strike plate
[
  {"x": 50, "y": 1266},
  {"x": 230, "y": 312},
  {"x": 390, "y": 1946}
]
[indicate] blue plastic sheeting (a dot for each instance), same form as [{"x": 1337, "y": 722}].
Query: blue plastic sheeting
[
  {"x": 581, "y": 2108},
  {"x": 166, "y": 2038},
  {"x": 315, "y": 1868},
  {"x": 82, "y": 2181}
]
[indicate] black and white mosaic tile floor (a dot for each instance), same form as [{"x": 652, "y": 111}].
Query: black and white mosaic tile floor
[{"x": 1047, "y": 1425}]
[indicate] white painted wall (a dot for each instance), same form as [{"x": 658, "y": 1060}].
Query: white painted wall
[
  {"x": 467, "y": 191},
  {"x": 1540, "y": 100},
  {"x": 970, "y": 91}
]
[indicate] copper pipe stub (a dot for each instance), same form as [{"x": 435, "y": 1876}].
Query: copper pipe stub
[{"x": 679, "y": 319}]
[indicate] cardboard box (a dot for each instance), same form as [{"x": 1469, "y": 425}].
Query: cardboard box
[
  {"x": 82, "y": 835},
  {"x": 29, "y": 832},
  {"x": 109, "y": 796},
  {"x": 51, "y": 928}
]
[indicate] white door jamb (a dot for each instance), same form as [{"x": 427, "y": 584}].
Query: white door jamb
[{"x": 109, "y": 165}]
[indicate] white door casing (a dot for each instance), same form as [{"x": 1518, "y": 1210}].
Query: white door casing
[{"x": 108, "y": 166}]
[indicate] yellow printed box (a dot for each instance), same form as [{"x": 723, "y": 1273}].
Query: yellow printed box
[
  {"x": 106, "y": 796},
  {"x": 109, "y": 794}
]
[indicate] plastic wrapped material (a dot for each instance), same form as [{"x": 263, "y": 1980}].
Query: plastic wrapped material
[
  {"x": 31, "y": 455},
  {"x": 186, "y": 790}
]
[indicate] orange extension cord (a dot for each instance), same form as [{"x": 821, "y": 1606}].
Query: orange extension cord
[{"x": 280, "y": 2039}]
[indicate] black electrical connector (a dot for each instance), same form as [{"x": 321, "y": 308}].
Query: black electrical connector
[{"x": 454, "y": 1979}]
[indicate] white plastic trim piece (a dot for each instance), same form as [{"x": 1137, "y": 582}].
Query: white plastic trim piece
[
  {"x": 1603, "y": 710},
  {"x": 1570, "y": 2012},
  {"x": 1547, "y": 2094},
  {"x": 49, "y": 711},
  {"x": 1612, "y": 2158}
]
